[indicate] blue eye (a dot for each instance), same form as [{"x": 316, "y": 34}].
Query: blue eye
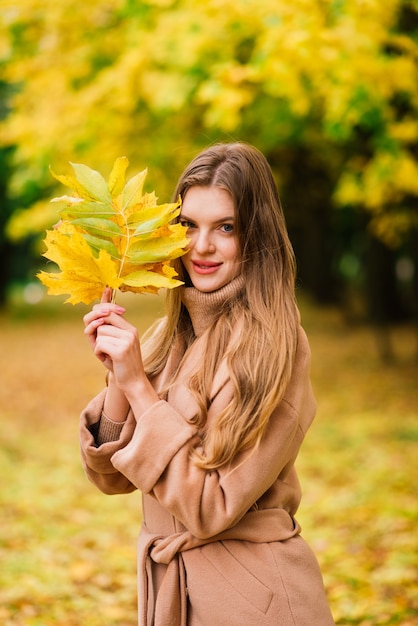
[{"x": 227, "y": 228}]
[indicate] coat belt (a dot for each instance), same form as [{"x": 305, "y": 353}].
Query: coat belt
[{"x": 169, "y": 606}]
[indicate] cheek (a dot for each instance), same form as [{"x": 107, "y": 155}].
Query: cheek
[
  {"x": 185, "y": 260},
  {"x": 235, "y": 252},
  {"x": 192, "y": 241}
]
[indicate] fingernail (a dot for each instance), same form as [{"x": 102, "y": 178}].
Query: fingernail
[{"x": 120, "y": 309}]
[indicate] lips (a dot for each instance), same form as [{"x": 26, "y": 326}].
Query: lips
[{"x": 205, "y": 267}]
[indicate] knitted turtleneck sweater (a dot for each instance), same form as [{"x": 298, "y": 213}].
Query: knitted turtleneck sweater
[{"x": 204, "y": 307}]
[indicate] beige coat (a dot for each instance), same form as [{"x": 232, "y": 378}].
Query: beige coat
[{"x": 222, "y": 547}]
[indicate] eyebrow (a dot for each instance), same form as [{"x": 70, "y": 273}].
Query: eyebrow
[{"x": 228, "y": 218}]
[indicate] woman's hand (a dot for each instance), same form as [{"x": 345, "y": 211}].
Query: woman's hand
[
  {"x": 116, "y": 344},
  {"x": 114, "y": 341},
  {"x": 96, "y": 318}
]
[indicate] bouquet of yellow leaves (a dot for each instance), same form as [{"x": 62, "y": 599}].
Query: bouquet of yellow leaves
[{"x": 112, "y": 234}]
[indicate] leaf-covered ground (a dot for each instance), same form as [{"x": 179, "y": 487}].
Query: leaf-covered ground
[{"x": 67, "y": 552}]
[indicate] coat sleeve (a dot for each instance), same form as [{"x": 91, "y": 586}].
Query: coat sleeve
[
  {"x": 157, "y": 458},
  {"x": 96, "y": 460}
]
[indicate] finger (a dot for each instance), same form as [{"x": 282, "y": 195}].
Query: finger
[
  {"x": 96, "y": 312},
  {"x": 109, "y": 321},
  {"x": 116, "y": 320},
  {"x": 106, "y": 349},
  {"x": 102, "y": 311},
  {"x": 107, "y": 295},
  {"x": 91, "y": 328}
]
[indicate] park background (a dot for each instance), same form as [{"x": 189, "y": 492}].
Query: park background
[{"x": 328, "y": 90}]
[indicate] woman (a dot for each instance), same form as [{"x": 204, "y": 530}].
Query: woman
[{"x": 206, "y": 418}]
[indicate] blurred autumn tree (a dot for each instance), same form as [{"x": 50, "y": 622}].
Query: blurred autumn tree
[{"x": 327, "y": 89}]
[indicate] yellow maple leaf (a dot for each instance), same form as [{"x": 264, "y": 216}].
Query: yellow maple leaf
[{"x": 82, "y": 275}]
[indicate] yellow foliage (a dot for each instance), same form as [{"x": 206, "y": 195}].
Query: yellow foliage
[
  {"x": 93, "y": 81},
  {"x": 383, "y": 180},
  {"x": 405, "y": 132},
  {"x": 391, "y": 228},
  {"x": 112, "y": 234},
  {"x": 31, "y": 221},
  {"x": 82, "y": 275}
]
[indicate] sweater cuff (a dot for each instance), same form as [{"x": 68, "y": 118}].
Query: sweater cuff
[{"x": 108, "y": 430}]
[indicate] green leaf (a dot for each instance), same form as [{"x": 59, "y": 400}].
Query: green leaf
[
  {"x": 132, "y": 193},
  {"x": 98, "y": 226},
  {"x": 86, "y": 209},
  {"x": 153, "y": 217},
  {"x": 72, "y": 183},
  {"x": 97, "y": 244},
  {"x": 93, "y": 182},
  {"x": 155, "y": 250}
]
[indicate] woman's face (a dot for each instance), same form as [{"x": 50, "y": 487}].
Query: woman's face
[{"x": 213, "y": 258}]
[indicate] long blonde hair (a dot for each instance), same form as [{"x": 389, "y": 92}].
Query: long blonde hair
[{"x": 260, "y": 362}]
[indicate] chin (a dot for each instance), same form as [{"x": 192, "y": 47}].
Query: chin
[{"x": 208, "y": 287}]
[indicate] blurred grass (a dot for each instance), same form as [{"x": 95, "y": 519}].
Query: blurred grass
[{"x": 67, "y": 552}]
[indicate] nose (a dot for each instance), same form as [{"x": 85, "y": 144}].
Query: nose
[{"x": 203, "y": 243}]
